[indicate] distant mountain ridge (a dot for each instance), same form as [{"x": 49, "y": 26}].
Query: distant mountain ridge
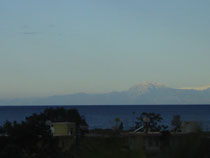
[{"x": 145, "y": 94}]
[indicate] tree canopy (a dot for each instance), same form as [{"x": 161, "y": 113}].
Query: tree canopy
[
  {"x": 150, "y": 121},
  {"x": 32, "y": 137},
  {"x": 176, "y": 123}
]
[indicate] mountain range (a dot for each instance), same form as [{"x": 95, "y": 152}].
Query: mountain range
[{"x": 143, "y": 94}]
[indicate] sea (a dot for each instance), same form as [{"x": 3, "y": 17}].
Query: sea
[{"x": 103, "y": 116}]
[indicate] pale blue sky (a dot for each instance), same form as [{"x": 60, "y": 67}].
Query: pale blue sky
[{"x": 52, "y": 47}]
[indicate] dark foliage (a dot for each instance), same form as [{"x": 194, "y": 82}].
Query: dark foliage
[
  {"x": 176, "y": 123},
  {"x": 33, "y": 137},
  {"x": 63, "y": 115},
  {"x": 121, "y": 126},
  {"x": 153, "y": 124},
  {"x": 186, "y": 146}
]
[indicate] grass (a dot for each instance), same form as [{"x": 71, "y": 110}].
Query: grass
[{"x": 113, "y": 147}]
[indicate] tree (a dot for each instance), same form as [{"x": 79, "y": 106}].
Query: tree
[
  {"x": 117, "y": 120},
  {"x": 121, "y": 126},
  {"x": 176, "y": 123},
  {"x": 150, "y": 121},
  {"x": 64, "y": 115},
  {"x": 33, "y": 137},
  {"x": 7, "y": 127}
]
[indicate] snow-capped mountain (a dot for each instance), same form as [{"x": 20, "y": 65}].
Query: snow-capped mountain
[
  {"x": 145, "y": 87},
  {"x": 147, "y": 93}
]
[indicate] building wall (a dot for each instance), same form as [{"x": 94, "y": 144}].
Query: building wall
[
  {"x": 190, "y": 127},
  {"x": 64, "y": 129}
]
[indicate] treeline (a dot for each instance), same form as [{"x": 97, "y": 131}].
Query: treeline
[{"x": 33, "y": 137}]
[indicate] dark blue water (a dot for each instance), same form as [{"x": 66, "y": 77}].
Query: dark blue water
[{"x": 103, "y": 116}]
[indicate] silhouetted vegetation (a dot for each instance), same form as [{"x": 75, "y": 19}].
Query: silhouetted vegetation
[
  {"x": 176, "y": 123},
  {"x": 187, "y": 146},
  {"x": 121, "y": 126},
  {"x": 33, "y": 137},
  {"x": 150, "y": 121},
  {"x": 100, "y": 147}
]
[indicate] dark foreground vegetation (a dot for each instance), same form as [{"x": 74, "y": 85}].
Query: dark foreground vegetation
[
  {"x": 33, "y": 138},
  {"x": 188, "y": 146}
]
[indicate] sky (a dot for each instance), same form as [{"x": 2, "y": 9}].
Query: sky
[{"x": 62, "y": 47}]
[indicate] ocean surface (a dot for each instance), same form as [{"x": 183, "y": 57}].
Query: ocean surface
[{"x": 103, "y": 116}]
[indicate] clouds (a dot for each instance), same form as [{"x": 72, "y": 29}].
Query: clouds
[{"x": 197, "y": 87}]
